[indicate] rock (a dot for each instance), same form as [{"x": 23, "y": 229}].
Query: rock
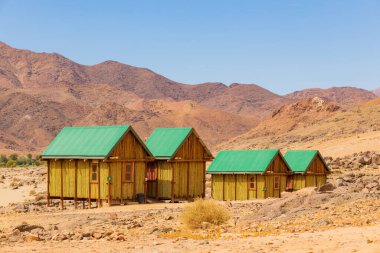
[
  {"x": 31, "y": 238},
  {"x": 59, "y": 237},
  {"x": 325, "y": 188},
  {"x": 97, "y": 235},
  {"x": 169, "y": 218},
  {"x": 372, "y": 185},
  {"x": 365, "y": 160},
  {"x": 15, "y": 236},
  {"x": 28, "y": 228},
  {"x": 339, "y": 182},
  {"x": 376, "y": 159},
  {"x": 154, "y": 230}
]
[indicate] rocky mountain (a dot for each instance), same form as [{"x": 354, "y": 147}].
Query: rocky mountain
[
  {"x": 313, "y": 124},
  {"x": 42, "y": 92},
  {"x": 346, "y": 97},
  {"x": 377, "y": 92}
]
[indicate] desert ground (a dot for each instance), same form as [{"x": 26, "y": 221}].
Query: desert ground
[{"x": 342, "y": 216}]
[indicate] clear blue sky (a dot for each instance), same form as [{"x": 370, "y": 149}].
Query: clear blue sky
[{"x": 280, "y": 45}]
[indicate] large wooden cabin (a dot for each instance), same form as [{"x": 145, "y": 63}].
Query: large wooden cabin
[
  {"x": 178, "y": 171},
  {"x": 248, "y": 174},
  {"x": 96, "y": 163},
  {"x": 309, "y": 168}
]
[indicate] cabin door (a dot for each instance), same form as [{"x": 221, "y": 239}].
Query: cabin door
[
  {"x": 289, "y": 183},
  {"x": 152, "y": 180}
]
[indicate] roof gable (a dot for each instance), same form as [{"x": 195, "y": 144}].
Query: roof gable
[
  {"x": 164, "y": 142},
  {"x": 242, "y": 161},
  {"x": 299, "y": 160},
  {"x": 86, "y": 142}
]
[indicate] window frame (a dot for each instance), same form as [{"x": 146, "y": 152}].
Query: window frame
[
  {"x": 124, "y": 172},
  {"x": 96, "y": 172},
  {"x": 254, "y": 182},
  {"x": 274, "y": 182}
]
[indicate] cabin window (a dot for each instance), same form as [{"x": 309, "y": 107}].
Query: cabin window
[
  {"x": 128, "y": 172},
  {"x": 94, "y": 172},
  {"x": 252, "y": 182},
  {"x": 276, "y": 182}
]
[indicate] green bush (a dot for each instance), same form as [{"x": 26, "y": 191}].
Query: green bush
[
  {"x": 200, "y": 211},
  {"x": 11, "y": 164}
]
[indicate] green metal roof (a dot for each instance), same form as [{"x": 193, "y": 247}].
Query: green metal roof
[
  {"x": 242, "y": 161},
  {"x": 164, "y": 142},
  {"x": 299, "y": 160},
  {"x": 85, "y": 141}
]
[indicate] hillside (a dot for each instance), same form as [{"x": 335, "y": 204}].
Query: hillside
[
  {"x": 346, "y": 97},
  {"x": 332, "y": 130},
  {"x": 43, "y": 92},
  {"x": 377, "y": 92}
]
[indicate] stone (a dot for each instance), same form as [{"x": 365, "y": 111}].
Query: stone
[
  {"x": 325, "y": 188},
  {"x": 97, "y": 235},
  {"x": 339, "y": 182},
  {"x": 372, "y": 185},
  {"x": 15, "y": 236},
  {"x": 365, "y": 160},
  {"x": 376, "y": 159}
]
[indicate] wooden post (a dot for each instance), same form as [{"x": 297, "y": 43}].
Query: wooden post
[
  {"x": 188, "y": 181},
  {"x": 48, "y": 183},
  {"x": 145, "y": 182},
  {"x": 212, "y": 186},
  {"x": 76, "y": 185},
  {"x": 223, "y": 188},
  {"x": 248, "y": 181},
  {"x": 61, "y": 161},
  {"x": 109, "y": 185},
  {"x": 89, "y": 184},
  {"x": 204, "y": 181},
  {"x": 99, "y": 201}
]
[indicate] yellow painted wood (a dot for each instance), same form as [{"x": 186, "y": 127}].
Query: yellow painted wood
[
  {"x": 299, "y": 182},
  {"x": 269, "y": 186},
  {"x": 260, "y": 187},
  {"x": 229, "y": 187},
  {"x": 217, "y": 187},
  {"x": 310, "y": 181},
  {"x": 55, "y": 178},
  {"x": 241, "y": 187},
  {"x": 103, "y": 180},
  {"x": 195, "y": 177},
  {"x": 140, "y": 176},
  {"x": 321, "y": 180},
  {"x": 164, "y": 179},
  {"x": 82, "y": 181}
]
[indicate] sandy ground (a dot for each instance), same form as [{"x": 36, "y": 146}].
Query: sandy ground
[{"x": 342, "y": 219}]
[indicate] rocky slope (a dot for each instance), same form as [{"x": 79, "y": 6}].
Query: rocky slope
[
  {"x": 43, "y": 92},
  {"x": 329, "y": 129}
]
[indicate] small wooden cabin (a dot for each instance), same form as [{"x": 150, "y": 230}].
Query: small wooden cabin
[
  {"x": 178, "y": 171},
  {"x": 96, "y": 163},
  {"x": 309, "y": 168},
  {"x": 248, "y": 174}
]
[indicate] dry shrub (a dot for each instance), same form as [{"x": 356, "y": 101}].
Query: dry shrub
[
  {"x": 201, "y": 211},
  {"x": 32, "y": 192}
]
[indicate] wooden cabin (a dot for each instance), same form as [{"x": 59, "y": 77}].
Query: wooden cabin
[
  {"x": 178, "y": 171},
  {"x": 248, "y": 174},
  {"x": 309, "y": 168},
  {"x": 96, "y": 163}
]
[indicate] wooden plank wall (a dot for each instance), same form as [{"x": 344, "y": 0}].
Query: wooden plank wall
[
  {"x": 217, "y": 187},
  {"x": 164, "y": 176}
]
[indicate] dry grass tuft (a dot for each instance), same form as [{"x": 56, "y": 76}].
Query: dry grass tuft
[{"x": 196, "y": 214}]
